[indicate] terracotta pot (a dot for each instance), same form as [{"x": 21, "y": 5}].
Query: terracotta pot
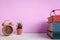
[{"x": 19, "y": 31}]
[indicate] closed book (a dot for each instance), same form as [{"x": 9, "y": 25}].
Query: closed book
[
  {"x": 55, "y": 18},
  {"x": 54, "y": 26},
  {"x": 56, "y": 35}
]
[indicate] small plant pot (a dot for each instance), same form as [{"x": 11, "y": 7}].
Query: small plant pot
[{"x": 19, "y": 31}]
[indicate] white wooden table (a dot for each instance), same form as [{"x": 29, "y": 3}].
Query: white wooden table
[{"x": 26, "y": 36}]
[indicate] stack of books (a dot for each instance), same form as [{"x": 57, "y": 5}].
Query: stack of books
[{"x": 54, "y": 27}]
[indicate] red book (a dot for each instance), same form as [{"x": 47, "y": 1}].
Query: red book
[{"x": 55, "y": 18}]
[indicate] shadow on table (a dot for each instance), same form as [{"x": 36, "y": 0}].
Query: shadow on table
[{"x": 42, "y": 28}]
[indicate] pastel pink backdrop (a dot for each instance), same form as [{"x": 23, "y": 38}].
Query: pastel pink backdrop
[{"x": 32, "y": 14}]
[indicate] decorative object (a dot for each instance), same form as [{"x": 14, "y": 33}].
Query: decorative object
[
  {"x": 7, "y": 28},
  {"x": 54, "y": 25},
  {"x": 19, "y": 28}
]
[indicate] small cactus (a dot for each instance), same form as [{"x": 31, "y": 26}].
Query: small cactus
[{"x": 19, "y": 25}]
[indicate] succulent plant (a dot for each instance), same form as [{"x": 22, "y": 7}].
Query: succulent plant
[{"x": 19, "y": 25}]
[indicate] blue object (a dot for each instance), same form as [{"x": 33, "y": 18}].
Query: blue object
[
  {"x": 56, "y": 35},
  {"x": 56, "y": 30},
  {"x": 56, "y": 26}
]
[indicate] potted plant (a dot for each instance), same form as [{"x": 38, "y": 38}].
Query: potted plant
[{"x": 19, "y": 29}]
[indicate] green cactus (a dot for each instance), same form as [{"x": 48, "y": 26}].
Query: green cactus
[{"x": 19, "y": 25}]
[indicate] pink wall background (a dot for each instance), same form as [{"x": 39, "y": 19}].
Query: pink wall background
[{"x": 32, "y": 14}]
